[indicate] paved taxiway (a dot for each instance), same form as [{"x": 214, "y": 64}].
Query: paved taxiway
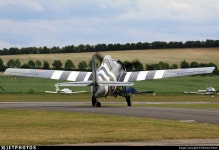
[{"x": 179, "y": 114}]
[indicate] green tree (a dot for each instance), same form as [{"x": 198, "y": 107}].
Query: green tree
[
  {"x": 25, "y": 66},
  {"x": 138, "y": 66},
  {"x": 10, "y": 63},
  {"x": 82, "y": 65},
  {"x": 163, "y": 65},
  {"x": 184, "y": 64},
  {"x": 2, "y": 66},
  {"x": 46, "y": 65},
  {"x": 194, "y": 64},
  {"x": 31, "y": 64},
  {"x": 17, "y": 63},
  {"x": 174, "y": 66},
  {"x": 90, "y": 64},
  {"x": 152, "y": 66},
  {"x": 38, "y": 64},
  {"x": 69, "y": 65},
  {"x": 57, "y": 64},
  {"x": 128, "y": 65}
]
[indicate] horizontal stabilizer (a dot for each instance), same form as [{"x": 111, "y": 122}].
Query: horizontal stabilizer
[
  {"x": 81, "y": 83},
  {"x": 90, "y": 83},
  {"x": 132, "y": 90},
  {"x": 114, "y": 83}
]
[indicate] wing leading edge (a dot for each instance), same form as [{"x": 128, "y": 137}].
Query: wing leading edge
[
  {"x": 50, "y": 74},
  {"x": 158, "y": 74},
  {"x": 125, "y": 77}
]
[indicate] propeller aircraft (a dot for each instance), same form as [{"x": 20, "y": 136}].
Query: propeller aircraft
[
  {"x": 208, "y": 91},
  {"x": 63, "y": 91},
  {"x": 111, "y": 78}
]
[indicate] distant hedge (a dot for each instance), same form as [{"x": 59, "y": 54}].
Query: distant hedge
[
  {"x": 83, "y": 65},
  {"x": 110, "y": 47}
]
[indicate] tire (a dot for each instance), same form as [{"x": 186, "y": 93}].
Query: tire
[{"x": 128, "y": 100}]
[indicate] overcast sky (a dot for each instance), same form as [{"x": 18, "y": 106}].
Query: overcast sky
[{"x": 26, "y": 23}]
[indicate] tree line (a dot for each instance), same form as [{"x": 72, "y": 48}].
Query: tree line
[
  {"x": 84, "y": 66},
  {"x": 110, "y": 47}
]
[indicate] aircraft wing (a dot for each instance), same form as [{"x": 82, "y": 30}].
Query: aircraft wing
[
  {"x": 78, "y": 92},
  {"x": 143, "y": 92},
  {"x": 185, "y": 92},
  {"x": 50, "y": 74},
  {"x": 125, "y": 77},
  {"x": 208, "y": 93},
  {"x": 158, "y": 74},
  {"x": 53, "y": 92},
  {"x": 115, "y": 83},
  {"x": 201, "y": 93},
  {"x": 80, "y": 83}
]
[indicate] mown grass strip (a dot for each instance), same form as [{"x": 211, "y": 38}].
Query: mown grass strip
[
  {"x": 204, "y": 106},
  {"x": 32, "y": 127}
]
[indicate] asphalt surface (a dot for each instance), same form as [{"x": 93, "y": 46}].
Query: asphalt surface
[{"x": 179, "y": 114}]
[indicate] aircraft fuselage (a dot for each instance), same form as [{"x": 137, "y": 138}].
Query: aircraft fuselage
[{"x": 109, "y": 70}]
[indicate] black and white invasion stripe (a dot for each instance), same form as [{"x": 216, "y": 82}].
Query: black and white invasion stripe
[
  {"x": 158, "y": 74},
  {"x": 71, "y": 75},
  {"x": 107, "y": 75},
  {"x": 51, "y": 74}
]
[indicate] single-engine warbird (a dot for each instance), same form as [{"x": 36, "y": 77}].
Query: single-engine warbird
[
  {"x": 63, "y": 91},
  {"x": 110, "y": 79},
  {"x": 208, "y": 91}
]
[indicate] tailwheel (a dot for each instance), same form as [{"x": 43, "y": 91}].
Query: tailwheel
[
  {"x": 128, "y": 100},
  {"x": 95, "y": 103}
]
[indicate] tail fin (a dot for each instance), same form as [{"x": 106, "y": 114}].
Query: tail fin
[{"x": 57, "y": 88}]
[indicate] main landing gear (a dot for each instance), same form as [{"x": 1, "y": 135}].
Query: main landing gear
[
  {"x": 128, "y": 100},
  {"x": 95, "y": 103}
]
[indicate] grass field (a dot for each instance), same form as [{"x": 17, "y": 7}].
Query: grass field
[
  {"x": 170, "y": 56},
  {"x": 32, "y": 127},
  {"x": 11, "y": 84},
  {"x": 169, "y": 89}
]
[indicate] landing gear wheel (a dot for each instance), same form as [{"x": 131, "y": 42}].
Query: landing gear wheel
[
  {"x": 95, "y": 103},
  {"x": 98, "y": 104},
  {"x": 128, "y": 100},
  {"x": 94, "y": 100}
]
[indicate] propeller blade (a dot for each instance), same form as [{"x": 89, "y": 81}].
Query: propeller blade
[{"x": 99, "y": 57}]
